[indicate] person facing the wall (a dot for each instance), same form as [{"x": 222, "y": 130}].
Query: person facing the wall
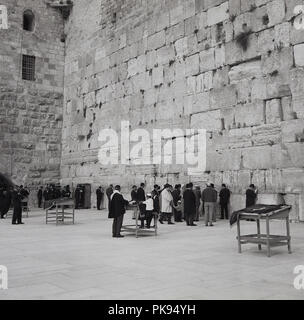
[
  {"x": 109, "y": 192},
  {"x": 99, "y": 197},
  {"x": 224, "y": 201},
  {"x": 209, "y": 197},
  {"x": 39, "y": 196},
  {"x": 251, "y": 196},
  {"x": 189, "y": 204}
]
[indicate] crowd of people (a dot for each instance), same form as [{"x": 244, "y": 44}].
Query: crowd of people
[{"x": 183, "y": 203}]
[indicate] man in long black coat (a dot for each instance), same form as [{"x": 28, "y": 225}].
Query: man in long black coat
[
  {"x": 176, "y": 194},
  {"x": 141, "y": 195},
  {"x": 99, "y": 197},
  {"x": 224, "y": 201},
  {"x": 117, "y": 211},
  {"x": 39, "y": 196},
  {"x": 16, "y": 199},
  {"x": 189, "y": 205}
]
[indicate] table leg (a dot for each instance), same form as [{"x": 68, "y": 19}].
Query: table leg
[
  {"x": 136, "y": 222},
  {"x": 288, "y": 235},
  {"x": 267, "y": 233},
  {"x": 259, "y": 232},
  {"x": 56, "y": 215},
  {"x": 239, "y": 234}
]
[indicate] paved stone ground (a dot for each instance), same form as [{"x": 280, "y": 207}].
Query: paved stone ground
[{"x": 83, "y": 261}]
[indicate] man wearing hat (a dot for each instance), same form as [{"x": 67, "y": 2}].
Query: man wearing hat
[{"x": 116, "y": 211}]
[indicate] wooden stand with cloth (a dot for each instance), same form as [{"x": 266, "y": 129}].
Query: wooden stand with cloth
[{"x": 267, "y": 213}]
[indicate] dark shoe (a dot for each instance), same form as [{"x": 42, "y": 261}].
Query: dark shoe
[
  {"x": 14, "y": 223},
  {"x": 193, "y": 225},
  {"x": 161, "y": 221},
  {"x": 120, "y": 236},
  {"x": 171, "y": 222},
  {"x": 211, "y": 225},
  {"x": 20, "y": 223}
]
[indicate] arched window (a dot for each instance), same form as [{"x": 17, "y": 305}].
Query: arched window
[{"x": 28, "y": 20}]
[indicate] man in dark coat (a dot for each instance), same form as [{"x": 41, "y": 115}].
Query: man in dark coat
[
  {"x": 134, "y": 194},
  {"x": 109, "y": 192},
  {"x": 251, "y": 196},
  {"x": 99, "y": 197},
  {"x": 5, "y": 200},
  {"x": 176, "y": 194},
  {"x": 224, "y": 201},
  {"x": 77, "y": 197},
  {"x": 17, "y": 203},
  {"x": 39, "y": 196},
  {"x": 198, "y": 196},
  {"x": 117, "y": 211},
  {"x": 141, "y": 195},
  {"x": 189, "y": 204}
]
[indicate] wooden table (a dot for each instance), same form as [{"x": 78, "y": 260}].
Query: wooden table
[
  {"x": 135, "y": 228},
  {"x": 57, "y": 211},
  {"x": 265, "y": 239}
]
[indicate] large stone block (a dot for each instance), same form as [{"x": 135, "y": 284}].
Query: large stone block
[
  {"x": 247, "y": 70},
  {"x": 157, "y": 76},
  {"x": 218, "y": 14},
  {"x": 201, "y": 102},
  {"x": 276, "y": 12},
  {"x": 224, "y": 97},
  {"x": 207, "y": 60},
  {"x": 156, "y": 40},
  {"x": 278, "y": 61},
  {"x": 274, "y": 111},
  {"x": 252, "y": 159},
  {"x": 282, "y": 34},
  {"x": 176, "y": 14},
  {"x": 290, "y": 130},
  {"x": 251, "y": 114},
  {"x": 192, "y": 65},
  {"x": 210, "y": 121},
  {"x": 299, "y": 55}
]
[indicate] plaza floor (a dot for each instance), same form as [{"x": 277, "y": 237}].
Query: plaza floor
[{"x": 83, "y": 261}]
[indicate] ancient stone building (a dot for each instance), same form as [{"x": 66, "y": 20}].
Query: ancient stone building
[
  {"x": 235, "y": 68},
  {"x": 31, "y": 91}
]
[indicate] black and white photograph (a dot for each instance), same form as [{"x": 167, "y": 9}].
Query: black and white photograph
[{"x": 152, "y": 150}]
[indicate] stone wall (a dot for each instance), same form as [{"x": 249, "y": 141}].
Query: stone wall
[
  {"x": 31, "y": 112},
  {"x": 233, "y": 67}
]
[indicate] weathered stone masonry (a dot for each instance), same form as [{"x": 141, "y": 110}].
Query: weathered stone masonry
[
  {"x": 31, "y": 112},
  {"x": 233, "y": 67}
]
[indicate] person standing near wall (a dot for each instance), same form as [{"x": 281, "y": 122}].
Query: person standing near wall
[
  {"x": 39, "y": 196},
  {"x": 117, "y": 210},
  {"x": 166, "y": 204},
  {"x": 176, "y": 194},
  {"x": 17, "y": 203},
  {"x": 209, "y": 197},
  {"x": 109, "y": 192},
  {"x": 198, "y": 196},
  {"x": 189, "y": 204},
  {"x": 99, "y": 197},
  {"x": 224, "y": 201},
  {"x": 251, "y": 196}
]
